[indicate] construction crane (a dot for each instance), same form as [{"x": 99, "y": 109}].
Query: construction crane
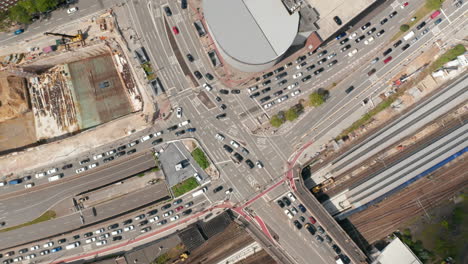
[
  {"x": 67, "y": 39},
  {"x": 322, "y": 185}
]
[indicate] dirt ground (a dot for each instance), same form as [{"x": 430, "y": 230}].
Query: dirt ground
[
  {"x": 18, "y": 132},
  {"x": 225, "y": 244}
]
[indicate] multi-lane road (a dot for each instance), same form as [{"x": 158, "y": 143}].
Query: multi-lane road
[{"x": 148, "y": 22}]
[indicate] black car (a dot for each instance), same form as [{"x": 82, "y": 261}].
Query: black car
[
  {"x": 220, "y": 116},
  {"x": 297, "y": 224},
  {"x": 301, "y": 59},
  {"x": 336, "y": 249},
  {"x": 302, "y": 208},
  {"x": 281, "y": 75},
  {"x": 321, "y": 61},
  {"x": 254, "y": 95},
  {"x": 24, "y": 250},
  {"x": 224, "y": 91},
  {"x": 371, "y": 72},
  {"x": 337, "y": 21},
  {"x": 157, "y": 141},
  {"x": 371, "y": 31},
  {"x": 394, "y": 13},
  {"x": 398, "y": 43},
  {"x": 180, "y": 132},
  {"x": 280, "y": 203},
  {"x": 344, "y": 41},
  {"x": 172, "y": 128},
  {"x": 405, "y": 47},
  {"x": 264, "y": 99},
  {"x": 217, "y": 189},
  {"x": 380, "y": 33},
  {"x": 223, "y": 107},
  {"x": 349, "y": 89},
  {"x": 27, "y": 178},
  {"x": 85, "y": 161},
  {"x": 218, "y": 99},
  {"x": 421, "y": 25},
  {"x": 178, "y": 201},
  {"x": 76, "y": 237},
  {"x": 190, "y": 57},
  {"x": 198, "y": 75},
  {"x": 278, "y": 93},
  {"x": 152, "y": 212},
  {"x": 250, "y": 164},
  {"x": 320, "y": 230},
  {"x": 228, "y": 148},
  {"x": 121, "y": 148},
  {"x": 235, "y": 91},
  {"x": 61, "y": 241},
  {"x": 310, "y": 228},
  {"x": 265, "y": 83},
  {"x": 280, "y": 69},
  {"x": 385, "y": 20},
  {"x": 142, "y": 223},
  {"x": 238, "y": 157},
  {"x": 209, "y": 76},
  {"x": 116, "y": 238},
  {"x": 266, "y": 75},
  {"x": 306, "y": 78},
  {"x": 183, "y": 4},
  {"x": 319, "y": 238},
  {"x": 366, "y": 26},
  {"x": 282, "y": 82},
  {"x": 114, "y": 226},
  {"x": 266, "y": 90},
  {"x": 131, "y": 151},
  {"x": 317, "y": 72},
  {"x": 332, "y": 63},
  {"x": 168, "y": 11},
  {"x": 88, "y": 234},
  {"x": 322, "y": 53},
  {"x": 311, "y": 67},
  {"x": 360, "y": 38},
  {"x": 68, "y": 166},
  {"x": 127, "y": 222},
  {"x": 245, "y": 151},
  {"x": 387, "y": 52},
  {"x": 286, "y": 201},
  {"x": 165, "y": 207},
  {"x": 108, "y": 159},
  {"x": 187, "y": 212}
]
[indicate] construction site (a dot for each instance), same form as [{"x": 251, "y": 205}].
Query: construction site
[{"x": 80, "y": 81}]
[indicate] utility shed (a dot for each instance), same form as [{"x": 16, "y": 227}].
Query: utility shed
[{"x": 397, "y": 252}]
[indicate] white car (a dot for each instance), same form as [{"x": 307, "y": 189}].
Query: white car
[
  {"x": 29, "y": 185},
  {"x": 90, "y": 240},
  {"x": 80, "y": 170},
  {"x": 143, "y": 139},
  {"x": 297, "y": 75},
  {"x": 157, "y": 134},
  {"x": 281, "y": 99},
  {"x": 20, "y": 258},
  {"x": 175, "y": 217},
  {"x": 259, "y": 164},
  {"x": 294, "y": 210},
  {"x": 253, "y": 88},
  {"x": 72, "y": 10},
  {"x": 288, "y": 214},
  {"x": 295, "y": 93},
  {"x": 110, "y": 152},
  {"x": 118, "y": 231},
  {"x": 219, "y": 137},
  {"x": 40, "y": 175},
  {"x": 234, "y": 144},
  {"x": 291, "y": 196},
  {"x": 207, "y": 87},
  {"x": 131, "y": 144},
  {"x": 179, "y": 112},
  {"x": 352, "y": 52},
  {"x": 98, "y": 156},
  {"x": 54, "y": 170},
  {"x": 36, "y": 247},
  {"x": 168, "y": 213},
  {"x": 154, "y": 219},
  {"x": 106, "y": 235},
  {"x": 48, "y": 244},
  {"x": 99, "y": 231},
  {"x": 31, "y": 256},
  {"x": 94, "y": 165},
  {"x": 186, "y": 122},
  {"x": 266, "y": 106},
  {"x": 129, "y": 228},
  {"x": 139, "y": 217},
  {"x": 369, "y": 40},
  {"x": 352, "y": 35},
  {"x": 101, "y": 243},
  {"x": 291, "y": 86}
]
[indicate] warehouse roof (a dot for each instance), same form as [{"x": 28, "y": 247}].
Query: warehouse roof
[{"x": 251, "y": 31}]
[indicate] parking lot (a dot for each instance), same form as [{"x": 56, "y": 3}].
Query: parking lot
[{"x": 175, "y": 153}]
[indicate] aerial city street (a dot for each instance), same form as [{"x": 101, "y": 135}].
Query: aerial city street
[{"x": 233, "y": 131}]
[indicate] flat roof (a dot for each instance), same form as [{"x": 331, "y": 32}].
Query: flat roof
[
  {"x": 251, "y": 31},
  {"x": 397, "y": 252}
]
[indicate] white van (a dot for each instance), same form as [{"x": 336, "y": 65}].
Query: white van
[
  {"x": 198, "y": 177},
  {"x": 2, "y": 183},
  {"x": 56, "y": 177},
  {"x": 73, "y": 245},
  {"x": 186, "y": 122},
  {"x": 143, "y": 139}
]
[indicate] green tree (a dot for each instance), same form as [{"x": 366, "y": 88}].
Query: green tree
[
  {"x": 18, "y": 14},
  {"x": 44, "y": 5},
  {"x": 276, "y": 121},
  {"x": 434, "y": 4},
  {"x": 404, "y": 27},
  {"x": 29, "y": 6},
  {"x": 291, "y": 114},
  {"x": 316, "y": 99}
]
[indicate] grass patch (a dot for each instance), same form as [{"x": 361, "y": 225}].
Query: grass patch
[
  {"x": 141, "y": 175},
  {"x": 447, "y": 56},
  {"x": 48, "y": 215},
  {"x": 200, "y": 157},
  {"x": 156, "y": 159},
  {"x": 148, "y": 70},
  {"x": 184, "y": 187},
  {"x": 164, "y": 258}
]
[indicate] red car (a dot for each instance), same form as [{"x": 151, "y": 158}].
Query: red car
[
  {"x": 405, "y": 4},
  {"x": 175, "y": 30},
  {"x": 179, "y": 208},
  {"x": 312, "y": 220},
  {"x": 387, "y": 59}
]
